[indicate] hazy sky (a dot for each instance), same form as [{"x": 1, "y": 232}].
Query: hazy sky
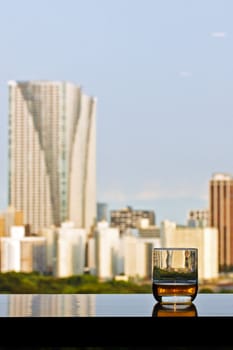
[{"x": 162, "y": 73}]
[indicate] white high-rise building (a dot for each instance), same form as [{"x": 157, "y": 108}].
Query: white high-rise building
[
  {"x": 22, "y": 254},
  {"x": 52, "y": 153},
  {"x": 10, "y": 254},
  {"x": 71, "y": 250},
  {"x": 205, "y": 239},
  {"x": 137, "y": 254},
  {"x": 107, "y": 241},
  {"x": 33, "y": 254},
  {"x": 50, "y": 235}
]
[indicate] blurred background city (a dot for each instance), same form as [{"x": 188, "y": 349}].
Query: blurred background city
[{"x": 116, "y": 137}]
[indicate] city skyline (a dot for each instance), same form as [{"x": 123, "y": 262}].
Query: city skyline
[{"x": 162, "y": 73}]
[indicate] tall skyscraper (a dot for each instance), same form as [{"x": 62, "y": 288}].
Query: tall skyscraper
[
  {"x": 52, "y": 160},
  {"x": 221, "y": 217}
]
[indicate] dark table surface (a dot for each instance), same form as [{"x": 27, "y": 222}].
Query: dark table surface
[{"x": 114, "y": 320}]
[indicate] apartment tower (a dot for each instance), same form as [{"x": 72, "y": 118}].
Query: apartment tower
[
  {"x": 221, "y": 217},
  {"x": 52, "y": 160}
]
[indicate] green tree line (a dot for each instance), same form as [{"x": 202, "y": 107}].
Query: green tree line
[
  {"x": 33, "y": 283},
  {"x": 36, "y": 283}
]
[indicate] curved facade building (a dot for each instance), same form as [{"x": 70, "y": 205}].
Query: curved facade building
[{"x": 52, "y": 160}]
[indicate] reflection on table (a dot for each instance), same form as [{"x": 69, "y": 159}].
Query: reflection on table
[
  {"x": 174, "y": 310},
  {"x": 109, "y": 305},
  {"x": 46, "y": 305}
]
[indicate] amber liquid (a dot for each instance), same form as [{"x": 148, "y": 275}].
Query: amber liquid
[{"x": 161, "y": 290}]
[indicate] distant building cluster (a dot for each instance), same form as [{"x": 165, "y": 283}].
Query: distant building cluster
[
  {"x": 128, "y": 218},
  {"x": 108, "y": 253},
  {"x": 54, "y": 225}
]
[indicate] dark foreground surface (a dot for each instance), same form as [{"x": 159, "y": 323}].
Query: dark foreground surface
[{"x": 114, "y": 321}]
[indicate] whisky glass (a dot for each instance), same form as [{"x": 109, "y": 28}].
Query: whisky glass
[{"x": 175, "y": 275}]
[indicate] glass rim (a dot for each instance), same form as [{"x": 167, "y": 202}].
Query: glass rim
[{"x": 175, "y": 248}]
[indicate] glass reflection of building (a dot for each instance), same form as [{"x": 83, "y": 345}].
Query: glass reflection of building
[{"x": 47, "y": 305}]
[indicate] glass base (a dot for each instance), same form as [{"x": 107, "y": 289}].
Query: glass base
[{"x": 176, "y": 299}]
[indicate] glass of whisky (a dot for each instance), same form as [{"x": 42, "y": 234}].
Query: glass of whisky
[{"x": 175, "y": 275}]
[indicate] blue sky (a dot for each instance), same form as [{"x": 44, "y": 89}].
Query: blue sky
[{"x": 162, "y": 73}]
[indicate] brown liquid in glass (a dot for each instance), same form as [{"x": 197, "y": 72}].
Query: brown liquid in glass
[{"x": 170, "y": 290}]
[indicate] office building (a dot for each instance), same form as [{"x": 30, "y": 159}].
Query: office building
[
  {"x": 137, "y": 255},
  {"x": 122, "y": 256},
  {"x": 204, "y": 239},
  {"x": 106, "y": 251},
  {"x": 129, "y": 218},
  {"x": 22, "y": 254},
  {"x": 102, "y": 212},
  {"x": 10, "y": 217},
  {"x": 2, "y": 226},
  {"x": 52, "y": 160},
  {"x": 71, "y": 253},
  {"x": 51, "y": 236},
  {"x": 221, "y": 216},
  {"x": 198, "y": 218}
]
